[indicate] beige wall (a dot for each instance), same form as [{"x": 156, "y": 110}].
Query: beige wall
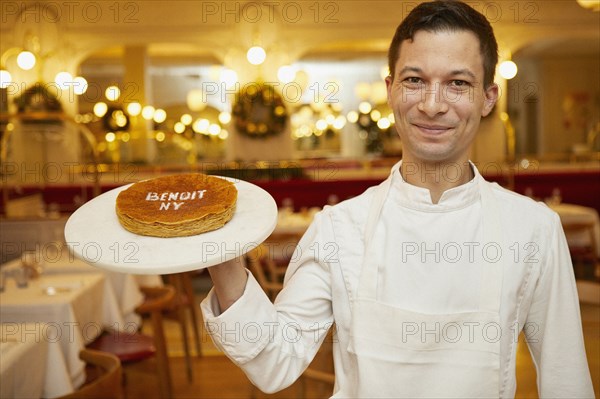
[
  {"x": 569, "y": 101},
  {"x": 490, "y": 143}
]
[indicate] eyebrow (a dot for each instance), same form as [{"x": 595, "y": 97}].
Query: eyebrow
[
  {"x": 409, "y": 69},
  {"x": 463, "y": 72},
  {"x": 455, "y": 72}
]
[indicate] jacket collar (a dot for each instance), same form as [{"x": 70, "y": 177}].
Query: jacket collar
[{"x": 419, "y": 198}]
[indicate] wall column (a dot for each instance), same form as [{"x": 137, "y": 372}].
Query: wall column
[{"x": 137, "y": 88}]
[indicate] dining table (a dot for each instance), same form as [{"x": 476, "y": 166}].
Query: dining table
[
  {"x": 33, "y": 363},
  {"x": 73, "y": 309},
  {"x": 294, "y": 223},
  {"x": 580, "y": 223},
  {"x": 54, "y": 258}
]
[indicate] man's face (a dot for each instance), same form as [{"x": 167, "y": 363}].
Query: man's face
[{"x": 438, "y": 96}]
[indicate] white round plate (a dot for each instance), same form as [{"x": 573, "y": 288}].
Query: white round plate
[{"x": 94, "y": 234}]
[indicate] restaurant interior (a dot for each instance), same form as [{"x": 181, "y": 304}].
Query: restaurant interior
[{"x": 287, "y": 95}]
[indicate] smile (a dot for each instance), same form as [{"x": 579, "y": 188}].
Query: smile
[{"x": 432, "y": 129}]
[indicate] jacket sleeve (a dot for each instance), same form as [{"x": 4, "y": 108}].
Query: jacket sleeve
[
  {"x": 274, "y": 343},
  {"x": 554, "y": 335}
]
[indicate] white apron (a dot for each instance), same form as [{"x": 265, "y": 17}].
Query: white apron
[{"x": 404, "y": 354}]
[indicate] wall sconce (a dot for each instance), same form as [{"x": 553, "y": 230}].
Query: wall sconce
[
  {"x": 28, "y": 56},
  {"x": 27, "y": 60}
]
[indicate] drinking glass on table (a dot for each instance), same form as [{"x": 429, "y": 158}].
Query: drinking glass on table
[
  {"x": 21, "y": 277},
  {"x": 31, "y": 264}
]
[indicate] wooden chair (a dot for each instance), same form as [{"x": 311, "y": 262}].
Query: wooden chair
[
  {"x": 185, "y": 303},
  {"x": 275, "y": 267},
  {"x": 108, "y": 380},
  {"x": 256, "y": 260},
  {"x": 280, "y": 248},
  {"x": 134, "y": 347},
  {"x": 321, "y": 369}
]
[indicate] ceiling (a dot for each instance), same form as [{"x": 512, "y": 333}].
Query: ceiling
[{"x": 189, "y": 31}]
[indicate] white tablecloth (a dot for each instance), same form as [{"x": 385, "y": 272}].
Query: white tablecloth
[
  {"x": 33, "y": 364},
  {"x": 55, "y": 258},
  {"x": 294, "y": 223},
  {"x": 576, "y": 214},
  {"x": 75, "y": 307}
]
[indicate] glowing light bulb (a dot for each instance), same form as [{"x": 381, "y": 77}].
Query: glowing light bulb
[
  {"x": 229, "y": 77},
  {"x": 160, "y": 115},
  {"x": 383, "y": 123},
  {"x": 256, "y": 55},
  {"x": 148, "y": 112},
  {"x": 375, "y": 115},
  {"x": 120, "y": 118},
  {"x": 5, "y": 79},
  {"x": 179, "y": 127},
  {"x": 224, "y": 117},
  {"x": 63, "y": 80},
  {"x": 224, "y": 134},
  {"x": 286, "y": 74},
  {"x": 186, "y": 119},
  {"x": 364, "y": 107},
  {"x": 508, "y": 69},
  {"x": 112, "y": 93},
  {"x": 214, "y": 129},
  {"x": 134, "y": 108},
  {"x": 26, "y": 60},
  {"x": 339, "y": 123},
  {"x": 100, "y": 109},
  {"x": 352, "y": 116},
  {"x": 80, "y": 85},
  {"x": 201, "y": 126}
]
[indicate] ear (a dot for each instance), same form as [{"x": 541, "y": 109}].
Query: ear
[
  {"x": 388, "y": 84},
  {"x": 491, "y": 96}
]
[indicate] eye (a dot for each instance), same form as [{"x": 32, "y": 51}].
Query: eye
[
  {"x": 412, "y": 82},
  {"x": 413, "y": 79},
  {"x": 457, "y": 83}
]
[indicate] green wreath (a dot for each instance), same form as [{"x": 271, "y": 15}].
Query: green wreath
[
  {"x": 259, "y": 111},
  {"x": 38, "y": 98}
]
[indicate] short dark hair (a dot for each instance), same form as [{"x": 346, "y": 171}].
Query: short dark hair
[{"x": 447, "y": 15}]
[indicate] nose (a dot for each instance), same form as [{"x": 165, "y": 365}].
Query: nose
[{"x": 432, "y": 101}]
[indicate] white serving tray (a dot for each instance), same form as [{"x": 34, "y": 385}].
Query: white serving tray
[{"x": 94, "y": 234}]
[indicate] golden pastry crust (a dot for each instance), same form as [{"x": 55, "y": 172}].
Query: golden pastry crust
[{"x": 177, "y": 206}]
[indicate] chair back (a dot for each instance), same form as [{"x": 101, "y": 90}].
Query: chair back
[
  {"x": 132, "y": 347},
  {"x": 319, "y": 378},
  {"x": 108, "y": 384},
  {"x": 185, "y": 313},
  {"x": 256, "y": 261},
  {"x": 159, "y": 300}
]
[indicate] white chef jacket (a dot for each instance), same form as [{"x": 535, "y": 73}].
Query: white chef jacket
[{"x": 432, "y": 256}]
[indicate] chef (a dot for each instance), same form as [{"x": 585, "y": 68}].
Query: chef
[{"x": 430, "y": 276}]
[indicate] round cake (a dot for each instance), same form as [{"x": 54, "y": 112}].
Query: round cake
[{"x": 177, "y": 205}]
